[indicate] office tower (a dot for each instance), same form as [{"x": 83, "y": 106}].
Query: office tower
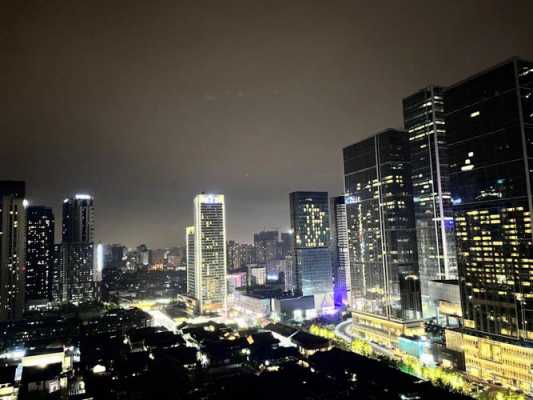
[
  {"x": 489, "y": 122},
  {"x": 189, "y": 241},
  {"x": 380, "y": 217},
  {"x": 341, "y": 257},
  {"x": 309, "y": 213},
  {"x": 78, "y": 250},
  {"x": 12, "y": 249},
  {"x": 424, "y": 121},
  {"x": 39, "y": 255},
  {"x": 266, "y": 246},
  {"x": 210, "y": 252}
]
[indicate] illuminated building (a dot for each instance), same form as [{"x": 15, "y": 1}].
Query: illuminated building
[
  {"x": 447, "y": 301},
  {"x": 288, "y": 273},
  {"x": 494, "y": 359},
  {"x": 424, "y": 121},
  {"x": 310, "y": 224},
  {"x": 78, "y": 250},
  {"x": 266, "y": 246},
  {"x": 381, "y": 228},
  {"x": 257, "y": 275},
  {"x": 341, "y": 257},
  {"x": 210, "y": 253},
  {"x": 189, "y": 240},
  {"x": 12, "y": 249},
  {"x": 489, "y": 121},
  {"x": 39, "y": 255},
  {"x": 384, "y": 331}
]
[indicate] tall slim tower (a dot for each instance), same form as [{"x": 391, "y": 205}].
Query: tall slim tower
[
  {"x": 424, "y": 121},
  {"x": 39, "y": 255},
  {"x": 189, "y": 242},
  {"x": 210, "y": 252},
  {"x": 78, "y": 249},
  {"x": 382, "y": 235},
  {"x": 310, "y": 223},
  {"x": 12, "y": 249},
  {"x": 342, "y": 280}
]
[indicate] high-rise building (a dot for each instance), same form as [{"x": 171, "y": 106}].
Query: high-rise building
[
  {"x": 380, "y": 217},
  {"x": 210, "y": 253},
  {"x": 490, "y": 130},
  {"x": 340, "y": 253},
  {"x": 266, "y": 246},
  {"x": 78, "y": 250},
  {"x": 286, "y": 245},
  {"x": 12, "y": 249},
  {"x": 39, "y": 255},
  {"x": 489, "y": 124},
  {"x": 189, "y": 242},
  {"x": 424, "y": 121},
  {"x": 309, "y": 214}
]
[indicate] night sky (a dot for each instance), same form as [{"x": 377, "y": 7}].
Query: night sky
[{"x": 144, "y": 103}]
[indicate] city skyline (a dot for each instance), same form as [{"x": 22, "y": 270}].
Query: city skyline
[
  {"x": 244, "y": 200},
  {"x": 140, "y": 92}
]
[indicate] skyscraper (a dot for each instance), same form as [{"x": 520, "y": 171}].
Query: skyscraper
[
  {"x": 380, "y": 217},
  {"x": 341, "y": 257},
  {"x": 12, "y": 249},
  {"x": 189, "y": 242},
  {"x": 39, "y": 255},
  {"x": 490, "y": 130},
  {"x": 309, "y": 214},
  {"x": 210, "y": 252},
  {"x": 424, "y": 121},
  {"x": 78, "y": 249},
  {"x": 489, "y": 122}
]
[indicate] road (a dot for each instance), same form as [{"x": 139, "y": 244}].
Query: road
[
  {"x": 344, "y": 331},
  {"x": 161, "y": 319}
]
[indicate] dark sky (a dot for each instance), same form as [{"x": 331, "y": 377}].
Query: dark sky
[{"x": 146, "y": 103}]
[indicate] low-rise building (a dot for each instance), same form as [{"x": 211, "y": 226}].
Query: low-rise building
[{"x": 493, "y": 359}]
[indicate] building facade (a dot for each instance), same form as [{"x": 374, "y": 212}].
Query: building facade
[
  {"x": 489, "y": 119},
  {"x": 489, "y": 123},
  {"x": 78, "y": 250},
  {"x": 309, "y": 212},
  {"x": 189, "y": 240},
  {"x": 210, "y": 253},
  {"x": 12, "y": 249},
  {"x": 380, "y": 217},
  {"x": 266, "y": 246},
  {"x": 424, "y": 121},
  {"x": 340, "y": 253},
  {"x": 39, "y": 255}
]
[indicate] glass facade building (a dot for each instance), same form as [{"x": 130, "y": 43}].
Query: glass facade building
[
  {"x": 340, "y": 254},
  {"x": 12, "y": 249},
  {"x": 39, "y": 254},
  {"x": 489, "y": 122},
  {"x": 424, "y": 121},
  {"x": 381, "y": 227},
  {"x": 210, "y": 252},
  {"x": 309, "y": 212}
]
